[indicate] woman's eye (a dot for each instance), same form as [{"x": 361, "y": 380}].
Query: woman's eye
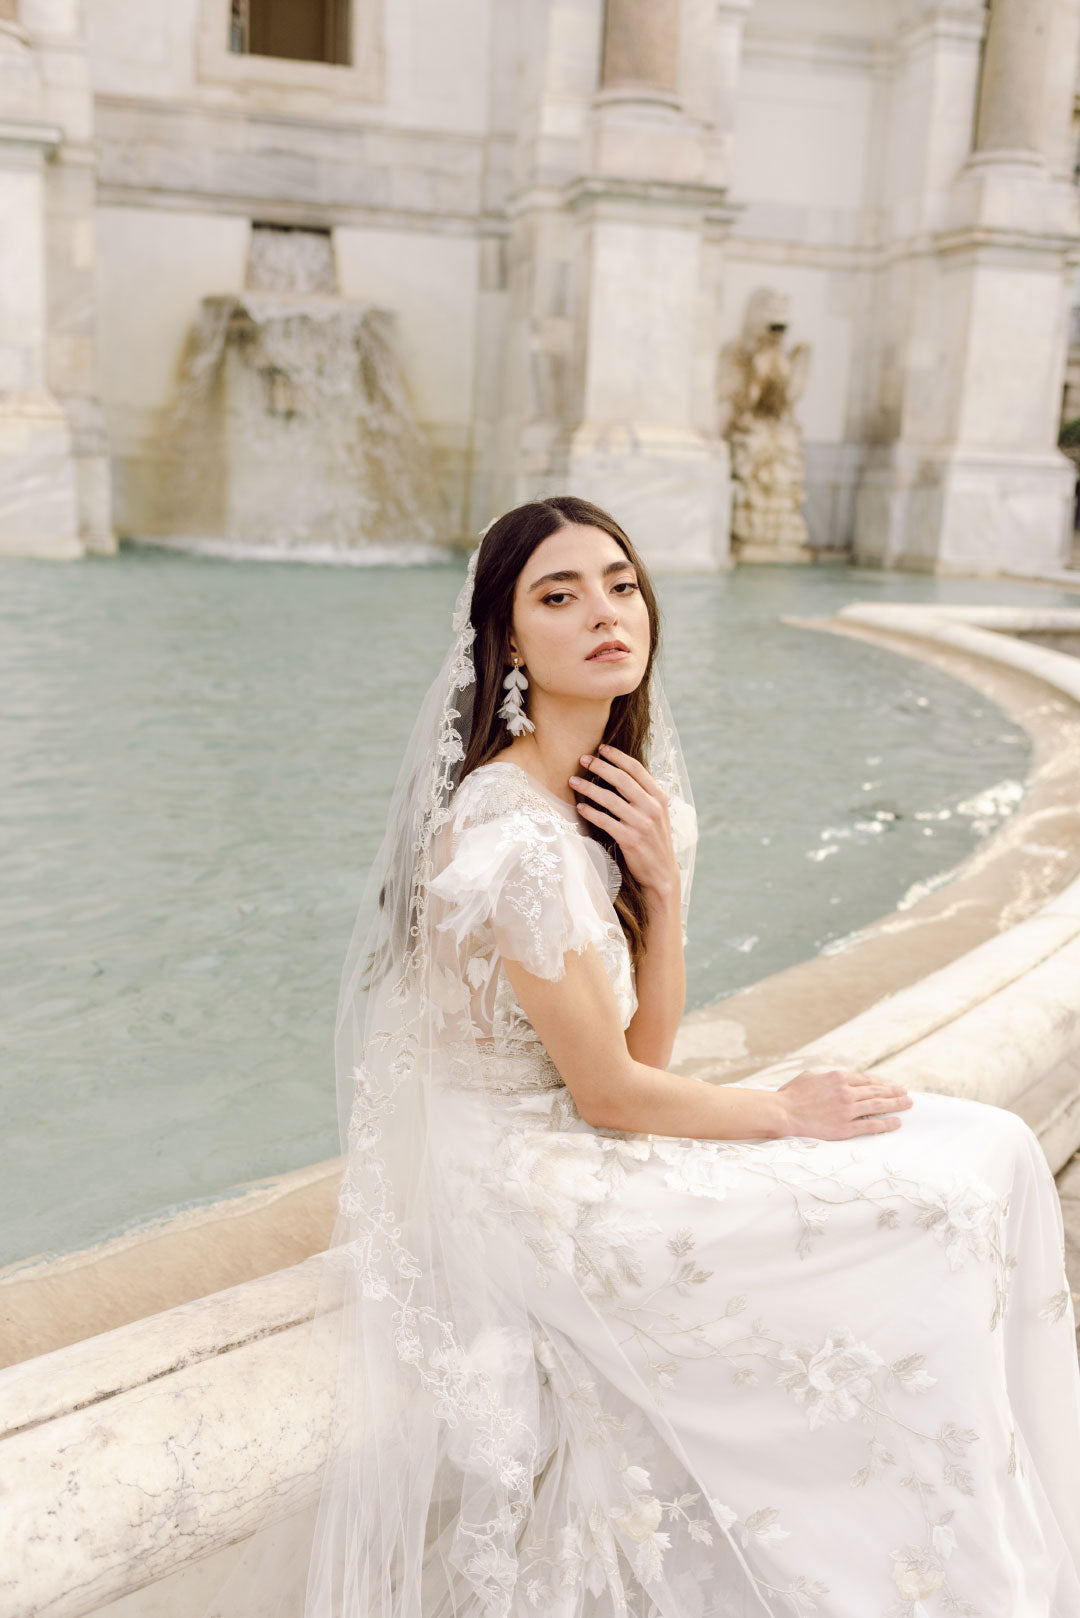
[
  {"x": 626, "y": 585},
  {"x": 556, "y": 598}
]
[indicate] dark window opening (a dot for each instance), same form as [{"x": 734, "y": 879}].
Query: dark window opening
[{"x": 302, "y": 30}]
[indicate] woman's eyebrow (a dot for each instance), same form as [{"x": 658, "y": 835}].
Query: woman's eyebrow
[{"x": 569, "y": 576}]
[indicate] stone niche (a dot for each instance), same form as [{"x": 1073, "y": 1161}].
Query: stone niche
[{"x": 292, "y": 428}]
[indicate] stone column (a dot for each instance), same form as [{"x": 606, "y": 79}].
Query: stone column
[
  {"x": 1010, "y": 113},
  {"x": 1028, "y": 84},
  {"x": 57, "y": 31},
  {"x": 619, "y": 188},
  {"x": 641, "y": 45},
  {"x": 642, "y": 437},
  {"x": 37, "y": 474},
  {"x": 966, "y": 476}
]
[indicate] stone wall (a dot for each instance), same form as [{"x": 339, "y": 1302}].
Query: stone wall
[
  {"x": 394, "y": 154},
  {"x": 805, "y": 175},
  {"x": 567, "y": 204},
  {"x": 54, "y": 498}
]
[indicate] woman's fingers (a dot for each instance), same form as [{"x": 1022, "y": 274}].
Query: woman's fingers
[
  {"x": 837, "y": 1103},
  {"x": 631, "y": 765},
  {"x": 868, "y": 1109},
  {"x": 608, "y": 823},
  {"x": 608, "y": 800},
  {"x": 869, "y": 1082},
  {"x": 633, "y": 790}
]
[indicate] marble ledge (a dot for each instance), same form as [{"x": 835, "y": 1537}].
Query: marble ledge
[
  {"x": 986, "y": 631},
  {"x": 113, "y": 1497},
  {"x": 81, "y": 1375}
]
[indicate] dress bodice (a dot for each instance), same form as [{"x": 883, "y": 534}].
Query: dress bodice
[{"x": 520, "y": 879}]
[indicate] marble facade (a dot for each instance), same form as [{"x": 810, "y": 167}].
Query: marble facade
[{"x": 566, "y": 204}]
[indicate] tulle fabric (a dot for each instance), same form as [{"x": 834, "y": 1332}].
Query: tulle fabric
[{"x": 526, "y": 878}]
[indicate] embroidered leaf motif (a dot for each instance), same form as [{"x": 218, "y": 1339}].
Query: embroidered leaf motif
[
  {"x": 1053, "y": 1311},
  {"x": 960, "y": 1479},
  {"x": 955, "y": 1439},
  {"x": 764, "y": 1525},
  {"x": 910, "y": 1374}
]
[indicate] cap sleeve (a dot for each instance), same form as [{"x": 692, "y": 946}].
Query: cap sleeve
[{"x": 526, "y": 877}]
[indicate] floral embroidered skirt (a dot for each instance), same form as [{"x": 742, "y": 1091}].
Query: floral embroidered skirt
[{"x": 797, "y": 1376}]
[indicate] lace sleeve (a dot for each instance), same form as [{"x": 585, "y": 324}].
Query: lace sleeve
[{"x": 525, "y": 876}]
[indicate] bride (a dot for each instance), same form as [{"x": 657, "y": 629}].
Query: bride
[{"x": 610, "y": 1340}]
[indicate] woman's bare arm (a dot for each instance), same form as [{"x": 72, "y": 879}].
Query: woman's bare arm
[
  {"x": 660, "y": 981},
  {"x": 577, "y": 1020}
]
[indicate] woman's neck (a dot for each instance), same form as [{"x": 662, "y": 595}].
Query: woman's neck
[{"x": 564, "y": 732}]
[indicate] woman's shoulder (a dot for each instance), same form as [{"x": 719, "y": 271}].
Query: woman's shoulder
[
  {"x": 523, "y": 816},
  {"x": 498, "y": 789}
]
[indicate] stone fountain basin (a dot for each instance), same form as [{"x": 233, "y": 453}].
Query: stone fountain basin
[{"x": 136, "y": 1463}]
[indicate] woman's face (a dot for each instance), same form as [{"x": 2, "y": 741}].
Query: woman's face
[{"x": 580, "y": 623}]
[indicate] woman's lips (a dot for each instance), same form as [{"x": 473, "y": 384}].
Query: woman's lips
[{"x": 609, "y": 652}]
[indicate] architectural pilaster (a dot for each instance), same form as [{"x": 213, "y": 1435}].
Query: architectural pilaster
[
  {"x": 54, "y": 491},
  {"x": 635, "y": 433},
  {"x": 965, "y": 475},
  {"x": 57, "y": 31},
  {"x": 1010, "y": 112},
  {"x": 37, "y": 476}
]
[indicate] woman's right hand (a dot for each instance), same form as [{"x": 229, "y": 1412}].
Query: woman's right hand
[{"x": 836, "y": 1104}]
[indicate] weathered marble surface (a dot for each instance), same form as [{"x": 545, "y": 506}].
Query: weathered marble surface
[
  {"x": 151, "y": 1268},
  {"x": 140, "y": 1451},
  {"x": 54, "y": 489},
  {"x": 173, "y": 1340},
  {"x": 470, "y": 162}
]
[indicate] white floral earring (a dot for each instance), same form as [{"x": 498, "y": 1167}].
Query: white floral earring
[{"x": 513, "y": 708}]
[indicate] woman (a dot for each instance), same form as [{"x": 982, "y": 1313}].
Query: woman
[{"x": 611, "y": 1340}]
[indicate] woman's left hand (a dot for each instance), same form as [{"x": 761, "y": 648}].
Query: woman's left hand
[{"x": 634, "y": 811}]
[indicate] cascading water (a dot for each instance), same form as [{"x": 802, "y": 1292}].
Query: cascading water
[{"x": 292, "y": 432}]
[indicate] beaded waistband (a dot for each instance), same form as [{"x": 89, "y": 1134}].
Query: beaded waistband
[{"x": 496, "y": 1072}]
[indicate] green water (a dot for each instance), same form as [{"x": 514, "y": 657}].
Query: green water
[{"x": 195, "y": 759}]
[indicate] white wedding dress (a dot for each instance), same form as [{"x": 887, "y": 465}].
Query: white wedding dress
[{"x": 787, "y": 1376}]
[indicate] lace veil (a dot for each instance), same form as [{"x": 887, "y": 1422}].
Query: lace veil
[{"x": 445, "y": 1406}]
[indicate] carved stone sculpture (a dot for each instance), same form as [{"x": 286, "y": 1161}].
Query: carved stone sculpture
[{"x": 758, "y": 383}]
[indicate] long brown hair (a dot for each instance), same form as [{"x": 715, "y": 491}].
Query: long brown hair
[{"x": 504, "y": 551}]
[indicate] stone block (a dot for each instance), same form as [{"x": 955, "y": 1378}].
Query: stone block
[
  {"x": 37, "y": 479},
  {"x": 965, "y": 513},
  {"x": 672, "y": 497}
]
